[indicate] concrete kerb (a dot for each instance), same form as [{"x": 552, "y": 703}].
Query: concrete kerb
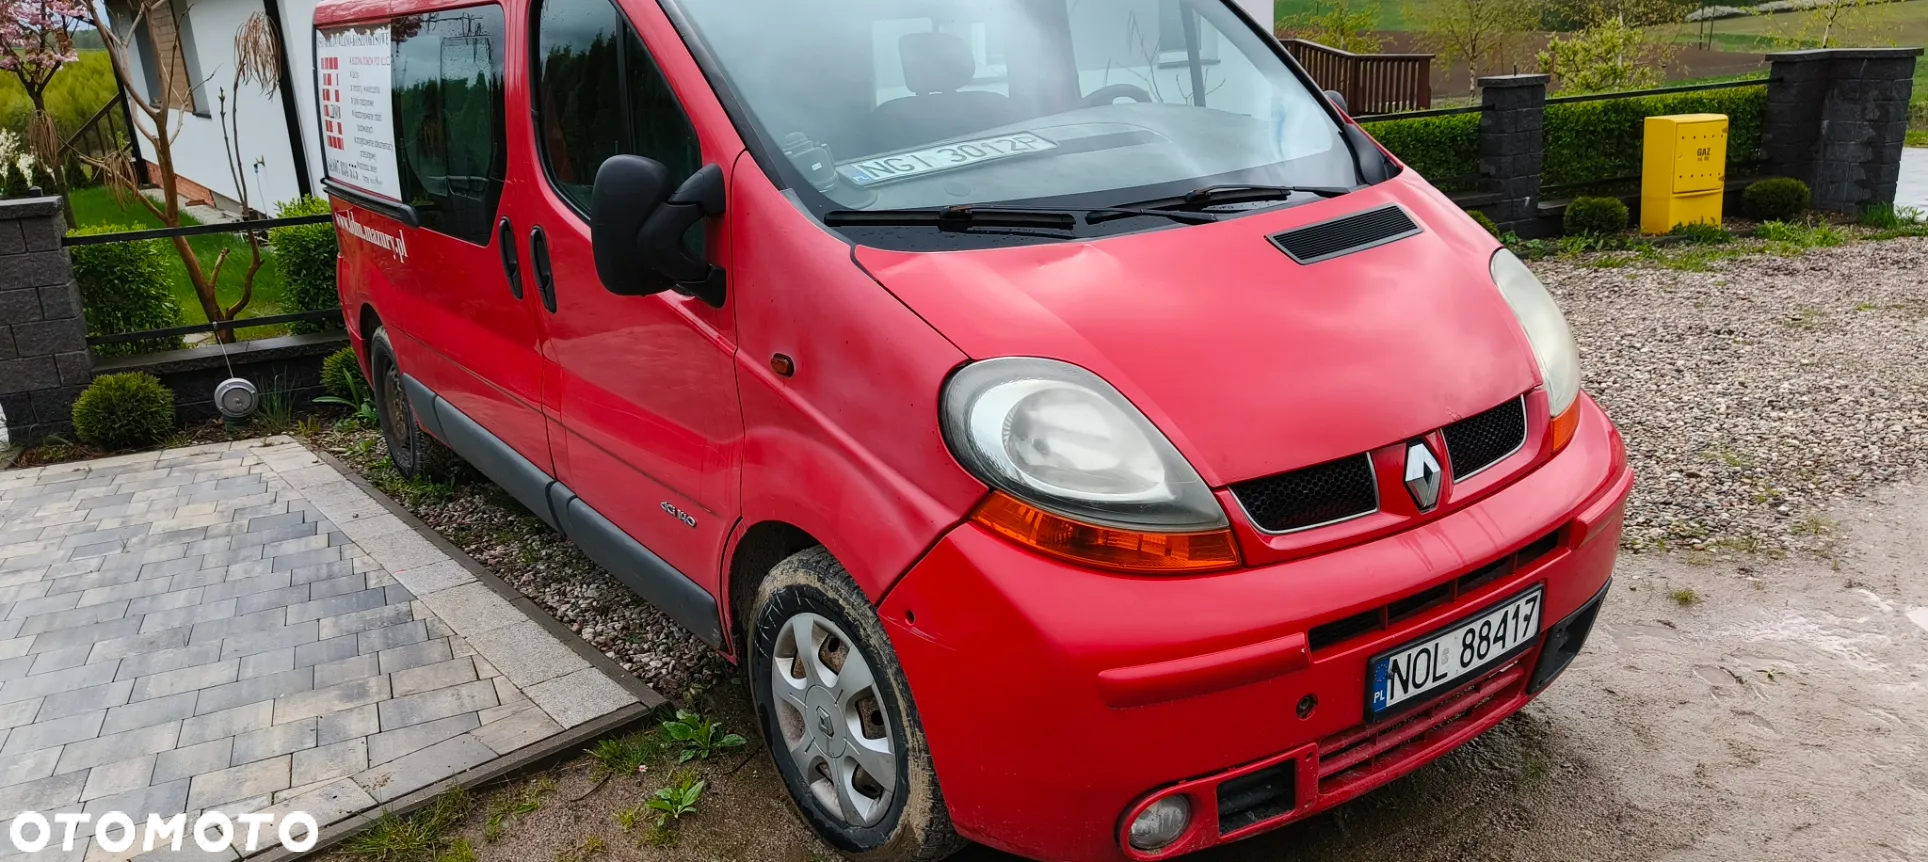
[
  {"x": 552, "y": 750},
  {"x": 456, "y": 569}
]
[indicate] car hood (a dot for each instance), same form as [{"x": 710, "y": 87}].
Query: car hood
[{"x": 1251, "y": 363}]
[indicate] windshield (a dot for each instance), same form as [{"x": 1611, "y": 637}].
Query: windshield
[{"x": 892, "y": 104}]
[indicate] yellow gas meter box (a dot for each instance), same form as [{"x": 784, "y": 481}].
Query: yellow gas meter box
[{"x": 1685, "y": 172}]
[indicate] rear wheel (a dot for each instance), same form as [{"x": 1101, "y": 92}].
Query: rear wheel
[
  {"x": 837, "y": 716},
  {"x": 410, "y": 448}
]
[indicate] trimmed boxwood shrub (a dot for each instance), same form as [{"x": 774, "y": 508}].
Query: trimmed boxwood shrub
[
  {"x": 1485, "y": 221},
  {"x": 1441, "y": 149},
  {"x": 1595, "y": 217},
  {"x": 341, "y": 374},
  {"x": 1775, "y": 199},
  {"x": 124, "y": 411},
  {"x": 306, "y": 256},
  {"x": 1589, "y": 142},
  {"x": 124, "y": 287}
]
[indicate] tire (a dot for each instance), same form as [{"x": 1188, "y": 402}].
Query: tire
[
  {"x": 412, "y": 450},
  {"x": 811, "y": 591}
]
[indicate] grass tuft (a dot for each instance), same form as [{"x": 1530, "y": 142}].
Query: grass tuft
[
  {"x": 626, "y": 755},
  {"x": 1888, "y": 216},
  {"x": 1685, "y": 597},
  {"x": 419, "y": 836}
]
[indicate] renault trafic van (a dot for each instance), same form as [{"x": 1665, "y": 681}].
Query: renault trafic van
[{"x": 1088, "y": 440}]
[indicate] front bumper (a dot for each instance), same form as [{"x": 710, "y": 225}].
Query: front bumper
[{"x": 1058, "y": 701}]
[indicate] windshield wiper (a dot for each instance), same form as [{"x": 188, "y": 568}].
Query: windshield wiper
[
  {"x": 964, "y": 217},
  {"x": 1209, "y": 196}
]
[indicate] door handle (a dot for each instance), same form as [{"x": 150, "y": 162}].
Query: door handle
[
  {"x": 505, "y": 234},
  {"x": 539, "y": 257}
]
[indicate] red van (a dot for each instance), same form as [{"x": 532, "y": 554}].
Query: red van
[{"x": 1091, "y": 442}]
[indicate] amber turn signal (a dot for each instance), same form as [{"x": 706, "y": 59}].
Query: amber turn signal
[
  {"x": 1564, "y": 425},
  {"x": 1108, "y": 548}
]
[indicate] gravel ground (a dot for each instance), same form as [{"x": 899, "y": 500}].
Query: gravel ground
[{"x": 1754, "y": 395}]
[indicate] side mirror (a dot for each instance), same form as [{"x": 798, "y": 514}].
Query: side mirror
[
  {"x": 628, "y": 190},
  {"x": 1374, "y": 167},
  {"x": 1339, "y": 99},
  {"x": 637, "y": 227}
]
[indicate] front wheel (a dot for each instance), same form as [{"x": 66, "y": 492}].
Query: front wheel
[
  {"x": 838, "y": 719},
  {"x": 413, "y": 452}
]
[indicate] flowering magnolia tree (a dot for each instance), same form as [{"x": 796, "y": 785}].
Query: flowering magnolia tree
[{"x": 36, "y": 39}]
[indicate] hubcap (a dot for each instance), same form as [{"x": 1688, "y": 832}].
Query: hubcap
[
  {"x": 397, "y": 404},
  {"x": 832, "y": 718}
]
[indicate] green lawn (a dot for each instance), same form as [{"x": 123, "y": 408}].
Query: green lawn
[{"x": 97, "y": 206}]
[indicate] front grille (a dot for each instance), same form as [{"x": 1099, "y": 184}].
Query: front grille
[
  {"x": 1479, "y": 442},
  {"x": 1311, "y": 497},
  {"x": 1251, "y": 799},
  {"x": 1371, "y": 753},
  {"x": 1343, "y": 236},
  {"x": 1381, "y": 618}
]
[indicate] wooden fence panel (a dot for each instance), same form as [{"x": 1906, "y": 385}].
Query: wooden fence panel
[{"x": 1370, "y": 83}]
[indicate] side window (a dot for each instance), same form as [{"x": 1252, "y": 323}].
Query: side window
[
  {"x": 451, "y": 150},
  {"x": 597, "y": 94}
]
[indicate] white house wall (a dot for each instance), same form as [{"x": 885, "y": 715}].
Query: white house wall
[
  {"x": 199, "y": 154},
  {"x": 297, "y": 21}
]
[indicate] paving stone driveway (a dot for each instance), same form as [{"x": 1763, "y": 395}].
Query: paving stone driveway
[{"x": 238, "y": 627}]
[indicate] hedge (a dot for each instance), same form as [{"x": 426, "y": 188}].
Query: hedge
[
  {"x": 306, "y": 256},
  {"x": 126, "y": 287},
  {"x": 1588, "y": 142},
  {"x": 1439, "y": 148}
]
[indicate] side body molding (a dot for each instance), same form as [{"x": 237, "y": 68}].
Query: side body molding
[
  {"x": 643, "y": 572},
  {"x": 424, "y": 403},
  {"x": 638, "y": 568}
]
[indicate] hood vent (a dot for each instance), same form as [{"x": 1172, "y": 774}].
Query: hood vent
[{"x": 1343, "y": 236}]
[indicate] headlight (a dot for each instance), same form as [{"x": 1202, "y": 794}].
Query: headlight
[
  {"x": 1546, "y": 329},
  {"x": 1057, "y": 436},
  {"x": 1079, "y": 472}
]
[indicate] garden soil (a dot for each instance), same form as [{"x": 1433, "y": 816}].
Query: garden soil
[{"x": 1752, "y": 709}]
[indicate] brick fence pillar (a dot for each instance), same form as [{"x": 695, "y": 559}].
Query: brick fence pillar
[
  {"x": 1837, "y": 120},
  {"x": 44, "y": 362},
  {"x": 1512, "y": 147}
]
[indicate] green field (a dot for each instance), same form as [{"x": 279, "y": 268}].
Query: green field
[
  {"x": 1885, "y": 25},
  {"x": 96, "y": 206},
  {"x": 1879, "y": 25},
  {"x": 1391, "y": 14},
  {"x": 77, "y": 91}
]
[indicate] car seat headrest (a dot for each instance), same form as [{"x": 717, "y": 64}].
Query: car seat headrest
[{"x": 936, "y": 62}]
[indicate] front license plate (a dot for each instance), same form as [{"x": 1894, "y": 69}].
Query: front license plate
[
  {"x": 1428, "y": 666},
  {"x": 884, "y": 169}
]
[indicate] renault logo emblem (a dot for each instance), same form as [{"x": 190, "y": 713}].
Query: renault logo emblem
[{"x": 1423, "y": 477}]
